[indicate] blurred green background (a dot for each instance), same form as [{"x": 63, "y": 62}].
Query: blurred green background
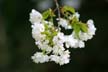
[{"x": 17, "y": 45}]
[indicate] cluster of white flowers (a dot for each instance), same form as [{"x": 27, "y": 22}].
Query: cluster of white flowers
[{"x": 52, "y": 42}]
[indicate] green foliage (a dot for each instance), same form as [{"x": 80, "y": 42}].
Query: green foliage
[
  {"x": 83, "y": 27},
  {"x": 68, "y": 8},
  {"x": 78, "y": 26},
  {"x": 48, "y": 13},
  {"x": 75, "y": 23}
]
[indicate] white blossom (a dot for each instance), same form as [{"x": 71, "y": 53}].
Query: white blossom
[
  {"x": 55, "y": 58},
  {"x": 43, "y": 45},
  {"x": 64, "y": 23},
  {"x": 62, "y": 59},
  {"x": 39, "y": 57},
  {"x": 59, "y": 38},
  {"x": 58, "y": 41},
  {"x": 35, "y": 17},
  {"x": 52, "y": 42},
  {"x": 70, "y": 41},
  {"x": 85, "y": 36},
  {"x": 91, "y": 27},
  {"x": 79, "y": 44},
  {"x": 39, "y": 27},
  {"x": 36, "y": 31},
  {"x": 58, "y": 49}
]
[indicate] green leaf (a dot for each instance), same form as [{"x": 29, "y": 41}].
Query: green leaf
[
  {"x": 76, "y": 28},
  {"x": 83, "y": 27},
  {"x": 45, "y": 32},
  {"x": 68, "y": 8},
  {"x": 75, "y": 20},
  {"x": 47, "y": 13}
]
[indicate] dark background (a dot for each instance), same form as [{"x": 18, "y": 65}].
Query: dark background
[{"x": 17, "y": 45}]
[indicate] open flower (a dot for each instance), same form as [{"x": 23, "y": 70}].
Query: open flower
[
  {"x": 39, "y": 57},
  {"x": 64, "y": 23},
  {"x": 35, "y": 17}
]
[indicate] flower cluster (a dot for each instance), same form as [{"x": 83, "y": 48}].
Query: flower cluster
[{"x": 52, "y": 42}]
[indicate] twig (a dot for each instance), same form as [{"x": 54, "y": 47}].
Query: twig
[{"x": 57, "y": 5}]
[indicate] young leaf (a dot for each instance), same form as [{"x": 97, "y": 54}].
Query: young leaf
[
  {"x": 83, "y": 27},
  {"x": 68, "y": 8},
  {"x": 48, "y": 13},
  {"x": 76, "y": 28}
]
